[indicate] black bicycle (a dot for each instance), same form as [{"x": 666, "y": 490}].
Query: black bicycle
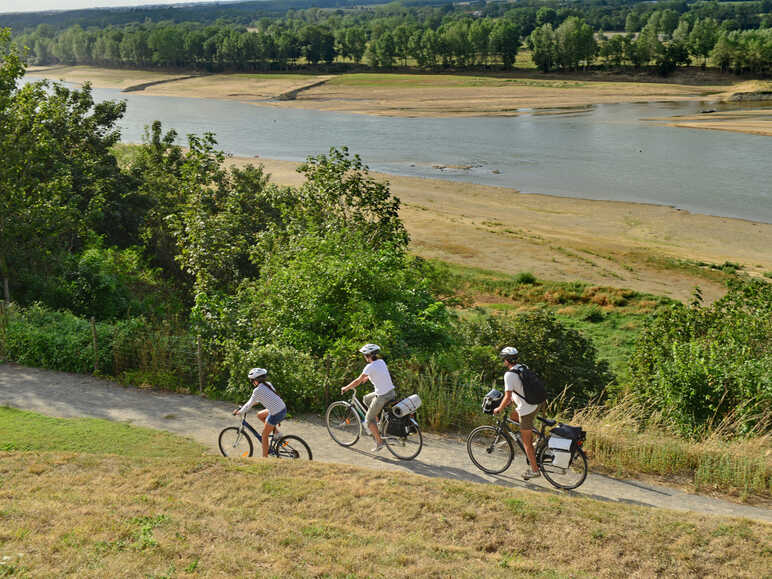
[
  {"x": 235, "y": 442},
  {"x": 492, "y": 450}
]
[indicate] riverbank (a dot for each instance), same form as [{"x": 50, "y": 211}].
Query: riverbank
[{"x": 648, "y": 248}]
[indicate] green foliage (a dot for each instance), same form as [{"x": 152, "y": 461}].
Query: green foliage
[
  {"x": 703, "y": 365},
  {"x": 330, "y": 293},
  {"x": 564, "y": 358}
]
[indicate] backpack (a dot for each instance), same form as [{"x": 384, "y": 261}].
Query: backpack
[{"x": 533, "y": 386}]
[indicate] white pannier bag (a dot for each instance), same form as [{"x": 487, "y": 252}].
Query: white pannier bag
[
  {"x": 561, "y": 451},
  {"x": 406, "y": 406}
]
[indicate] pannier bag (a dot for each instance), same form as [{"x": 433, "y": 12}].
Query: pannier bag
[
  {"x": 406, "y": 406},
  {"x": 574, "y": 433},
  {"x": 491, "y": 401},
  {"x": 397, "y": 425},
  {"x": 561, "y": 450}
]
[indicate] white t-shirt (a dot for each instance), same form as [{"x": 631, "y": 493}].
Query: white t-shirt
[
  {"x": 379, "y": 376},
  {"x": 512, "y": 383}
]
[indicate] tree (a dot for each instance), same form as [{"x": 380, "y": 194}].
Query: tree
[
  {"x": 703, "y": 38},
  {"x": 504, "y": 42},
  {"x": 543, "y": 47},
  {"x": 59, "y": 182},
  {"x": 574, "y": 43}
]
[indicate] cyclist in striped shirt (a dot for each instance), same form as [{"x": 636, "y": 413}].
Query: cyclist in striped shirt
[{"x": 264, "y": 393}]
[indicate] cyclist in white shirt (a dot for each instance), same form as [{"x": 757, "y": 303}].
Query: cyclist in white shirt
[
  {"x": 264, "y": 393},
  {"x": 376, "y": 372},
  {"x": 524, "y": 413}
]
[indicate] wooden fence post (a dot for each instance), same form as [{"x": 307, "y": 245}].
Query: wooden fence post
[
  {"x": 94, "y": 343},
  {"x": 200, "y": 365}
]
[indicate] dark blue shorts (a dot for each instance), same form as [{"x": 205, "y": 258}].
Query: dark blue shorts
[{"x": 274, "y": 419}]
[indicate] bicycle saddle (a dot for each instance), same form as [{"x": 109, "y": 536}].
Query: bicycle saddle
[{"x": 547, "y": 421}]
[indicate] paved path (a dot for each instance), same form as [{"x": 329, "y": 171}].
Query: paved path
[{"x": 74, "y": 395}]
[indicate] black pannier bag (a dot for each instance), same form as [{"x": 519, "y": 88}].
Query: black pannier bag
[
  {"x": 397, "y": 426},
  {"x": 491, "y": 401},
  {"x": 574, "y": 433}
]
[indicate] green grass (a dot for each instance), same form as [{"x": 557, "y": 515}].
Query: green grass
[
  {"x": 399, "y": 80},
  {"x": 28, "y": 431}
]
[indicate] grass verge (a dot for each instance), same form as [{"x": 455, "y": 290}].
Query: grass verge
[
  {"x": 115, "y": 516},
  {"x": 28, "y": 431}
]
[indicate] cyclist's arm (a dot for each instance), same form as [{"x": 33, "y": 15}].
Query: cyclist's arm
[
  {"x": 251, "y": 402},
  {"x": 356, "y": 382},
  {"x": 506, "y": 401}
]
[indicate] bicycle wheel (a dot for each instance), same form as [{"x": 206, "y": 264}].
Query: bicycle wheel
[
  {"x": 563, "y": 478},
  {"x": 234, "y": 443},
  {"x": 404, "y": 447},
  {"x": 343, "y": 423},
  {"x": 491, "y": 451},
  {"x": 292, "y": 446}
]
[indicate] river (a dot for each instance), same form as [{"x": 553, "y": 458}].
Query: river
[{"x": 607, "y": 151}]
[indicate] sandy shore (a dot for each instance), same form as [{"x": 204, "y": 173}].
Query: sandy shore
[
  {"x": 425, "y": 95},
  {"x": 648, "y": 248}
]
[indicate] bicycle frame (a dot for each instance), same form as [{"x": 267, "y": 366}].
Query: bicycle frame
[
  {"x": 504, "y": 428},
  {"x": 361, "y": 409},
  {"x": 252, "y": 430}
]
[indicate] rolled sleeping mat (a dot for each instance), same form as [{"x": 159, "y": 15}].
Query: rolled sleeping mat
[{"x": 406, "y": 406}]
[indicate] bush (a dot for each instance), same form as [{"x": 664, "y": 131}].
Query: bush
[{"x": 702, "y": 366}]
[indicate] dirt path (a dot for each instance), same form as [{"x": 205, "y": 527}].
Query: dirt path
[{"x": 75, "y": 395}]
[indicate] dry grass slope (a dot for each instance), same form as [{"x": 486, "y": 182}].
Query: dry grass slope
[{"x": 67, "y": 514}]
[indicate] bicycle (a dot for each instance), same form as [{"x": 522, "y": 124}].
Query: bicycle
[
  {"x": 492, "y": 449},
  {"x": 344, "y": 423},
  {"x": 235, "y": 442}
]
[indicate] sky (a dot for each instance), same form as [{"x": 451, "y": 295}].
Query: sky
[{"x": 35, "y": 5}]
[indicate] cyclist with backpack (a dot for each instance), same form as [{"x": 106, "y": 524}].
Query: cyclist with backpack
[
  {"x": 525, "y": 387},
  {"x": 264, "y": 393},
  {"x": 376, "y": 372}
]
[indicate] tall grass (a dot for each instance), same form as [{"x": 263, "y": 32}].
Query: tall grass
[{"x": 627, "y": 438}]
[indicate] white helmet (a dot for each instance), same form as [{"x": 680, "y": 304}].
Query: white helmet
[
  {"x": 509, "y": 353},
  {"x": 256, "y": 373},
  {"x": 369, "y": 349}
]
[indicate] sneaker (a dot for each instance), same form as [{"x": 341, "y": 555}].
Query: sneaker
[
  {"x": 529, "y": 474},
  {"x": 378, "y": 447}
]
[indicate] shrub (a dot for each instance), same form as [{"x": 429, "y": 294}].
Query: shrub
[{"x": 700, "y": 365}]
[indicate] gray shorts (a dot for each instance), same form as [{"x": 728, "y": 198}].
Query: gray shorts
[{"x": 376, "y": 404}]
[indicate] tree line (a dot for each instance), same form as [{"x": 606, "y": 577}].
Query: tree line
[{"x": 428, "y": 37}]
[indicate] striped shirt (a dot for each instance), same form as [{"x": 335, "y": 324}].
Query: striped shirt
[{"x": 265, "y": 395}]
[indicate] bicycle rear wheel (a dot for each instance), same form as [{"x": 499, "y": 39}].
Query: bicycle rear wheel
[
  {"x": 404, "y": 447},
  {"x": 491, "y": 450},
  {"x": 234, "y": 442},
  {"x": 292, "y": 446},
  {"x": 343, "y": 423},
  {"x": 563, "y": 478}
]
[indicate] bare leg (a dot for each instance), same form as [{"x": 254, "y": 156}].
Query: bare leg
[
  {"x": 527, "y": 437},
  {"x": 376, "y": 435},
  {"x": 267, "y": 429}
]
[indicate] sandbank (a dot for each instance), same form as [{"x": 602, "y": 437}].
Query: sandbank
[
  {"x": 434, "y": 95},
  {"x": 648, "y": 248}
]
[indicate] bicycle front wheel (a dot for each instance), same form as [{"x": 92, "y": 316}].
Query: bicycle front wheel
[
  {"x": 490, "y": 449},
  {"x": 292, "y": 446},
  {"x": 343, "y": 423},
  {"x": 563, "y": 478},
  {"x": 234, "y": 442},
  {"x": 404, "y": 447}
]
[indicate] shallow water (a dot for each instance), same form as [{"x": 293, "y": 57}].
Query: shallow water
[{"x": 600, "y": 152}]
